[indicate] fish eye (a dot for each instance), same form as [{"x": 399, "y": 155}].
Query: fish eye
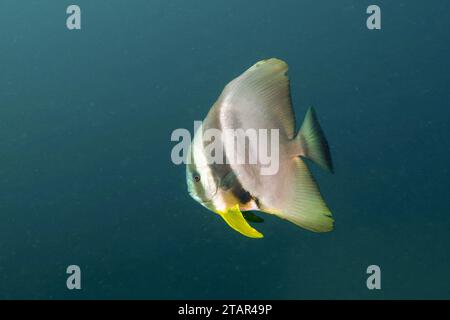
[{"x": 196, "y": 177}]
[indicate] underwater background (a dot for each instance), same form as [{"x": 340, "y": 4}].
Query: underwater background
[{"x": 86, "y": 176}]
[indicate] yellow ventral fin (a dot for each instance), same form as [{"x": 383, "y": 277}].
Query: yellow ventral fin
[{"x": 234, "y": 218}]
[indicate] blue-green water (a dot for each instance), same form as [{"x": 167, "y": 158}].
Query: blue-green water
[{"x": 86, "y": 176}]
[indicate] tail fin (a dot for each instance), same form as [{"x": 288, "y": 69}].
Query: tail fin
[{"x": 313, "y": 143}]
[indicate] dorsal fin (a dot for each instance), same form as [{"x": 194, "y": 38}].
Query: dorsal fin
[{"x": 259, "y": 98}]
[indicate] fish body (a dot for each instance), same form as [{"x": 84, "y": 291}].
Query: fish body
[{"x": 259, "y": 101}]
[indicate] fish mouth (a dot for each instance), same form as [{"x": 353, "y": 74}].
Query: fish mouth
[
  {"x": 203, "y": 199},
  {"x": 208, "y": 204},
  {"x": 204, "y": 202}
]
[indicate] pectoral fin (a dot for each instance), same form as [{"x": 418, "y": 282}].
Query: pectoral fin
[
  {"x": 234, "y": 218},
  {"x": 250, "y": 216}
]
